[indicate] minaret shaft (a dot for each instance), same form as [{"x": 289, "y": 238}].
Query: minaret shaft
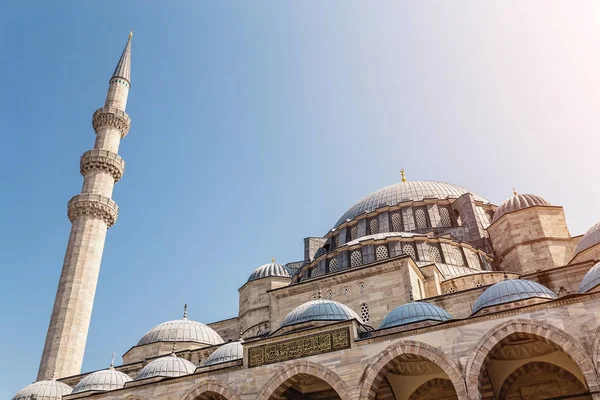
[{"x": 91, "y": 213}]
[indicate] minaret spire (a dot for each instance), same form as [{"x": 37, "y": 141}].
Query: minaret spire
[{"x": 91, "y": 213}]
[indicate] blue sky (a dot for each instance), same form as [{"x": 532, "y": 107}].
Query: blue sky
[{"x": 256, "y": 124}]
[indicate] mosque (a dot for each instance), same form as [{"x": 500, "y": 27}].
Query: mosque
[{"x": 422, "y": 290}]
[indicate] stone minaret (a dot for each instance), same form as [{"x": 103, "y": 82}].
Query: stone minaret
[{"x": 91, "y": 213}]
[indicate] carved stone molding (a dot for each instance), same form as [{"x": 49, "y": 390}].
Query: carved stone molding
[
  {"x": 93, "y": 206},
  {"x": 112, "y": 117},
  {"x": 102, "y": 159}
]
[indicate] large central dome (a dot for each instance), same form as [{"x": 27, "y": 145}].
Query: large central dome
[{"x": 405, "y": 191}]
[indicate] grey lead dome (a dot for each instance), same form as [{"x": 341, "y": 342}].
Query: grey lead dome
[
  {"x": 511, "y": 290},
  {"x": 182, "y": 330},
  {"x": 227, "y": 352},
  {"x": 272, "y": 269},
  {"x": 414, "y": 312},
  {"x": 519, "y": 202},
  {"x": 589, "y": 239},
  {"x": 405, "y": 191},
  {"x": 591, "y": 279},
  {"x": 43, "y": 390},
  {"x": 101, "y": 381},
  {"x": 319, "y": 310},
  {"x": 168, "y": 366}
]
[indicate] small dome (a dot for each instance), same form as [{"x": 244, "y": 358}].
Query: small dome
[
  {"x": 591, "y": 279},
  {"x": 168, "y": 366},
  {"x": 227, "y": 352},
  {"x": 319, "y": 310},
  {"x": 182, "y": 330},
  {"x": 511, "y": 290},
  {"x": 414, "y": 312},
  {"x": 106, "y": 379},
  {"x": 518, "y": 202},
  {"x": 405, "y": 191},
  {"x": 589, "y": 239},
  {"x": 272, "y": 269},
  {"x": 44, "y": 390}
]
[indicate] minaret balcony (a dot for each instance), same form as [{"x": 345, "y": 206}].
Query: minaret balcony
[
  {"x": 102, "y": 160},
  {"x": 113, "y": 117},
  {"x": 93, "y": 206}
]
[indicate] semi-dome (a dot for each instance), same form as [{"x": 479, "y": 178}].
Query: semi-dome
[
  {"x": 272, "y": 269},
  {"x": 101, "y": 381},
  {"x": 319, "y": 310},
  {"x": 510, "y": 290},
  {"x": 589, "y": 239},
  {"x": 414, "y": 312},
  {"x": 518, "y": 202},
  {"x": 50, "y": 389},
  {"x": 591, "y": 279},
  {"x": 168, "y": 366},
  {"x": 405, "y": 191},
  {"x": 228, "y": 352},
  {"x": 182, "y": 330}
]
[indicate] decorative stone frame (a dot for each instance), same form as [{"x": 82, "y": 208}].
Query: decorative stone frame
[
  {"x": 544, "y": 331},
  {"x": 277, "y": 387},
  {"x": 380, "y": 364}
]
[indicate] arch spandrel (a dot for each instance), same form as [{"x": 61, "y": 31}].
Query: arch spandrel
[
  {"x": 563, "y": 341},
  {"x": 378, "y": 366}
]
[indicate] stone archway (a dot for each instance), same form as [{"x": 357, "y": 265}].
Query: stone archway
[
  {"x": 381, "y": 364},
  {"x": 476, "y": 379},
  {"x": 564, "y": 381},
  {"x": 211, "y": 389},
  {"x": 295, "y": 373},
  {"x": 435, "y": 389}
]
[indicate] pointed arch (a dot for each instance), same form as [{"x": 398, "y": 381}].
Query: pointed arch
[
  {"x": 378, "y": 366},
  {"x": 276, "y": 387},
  {"x": 211, "y": 385},
  {"x": 480, "y": 354}
]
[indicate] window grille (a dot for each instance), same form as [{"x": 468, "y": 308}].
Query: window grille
[
  {"x": 361, "y": 286},
  {"x": 333, "y": 265},
  {"x": 346, "y": 289},
  {"x": 445, "y": 220},
  {"x": 381, "y": 252},
  {"x": 318, "y": 270},
  {"x": 313, "y": 296},
  {"x": 408, "y": 249},
  {"x": 479, "y": 284},
  {"x": 330, "y": 294},
  {"x": 420, "y": 218},
  {"x": 355, "y": 258},
  {"x": 451, "y": 290},
  {"x": 458, "y": 257},
  {"x": 434, "y": 254},
  {"x": 397, "y": 222},
  {"x": 353, "y": 232},
  {"x": 364, "y": 312},
  {"x": 374, "y": 225}
]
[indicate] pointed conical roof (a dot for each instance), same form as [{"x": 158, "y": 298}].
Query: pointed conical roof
[{"x": 123, "y": 69}]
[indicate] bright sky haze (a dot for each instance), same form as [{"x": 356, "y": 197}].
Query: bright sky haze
[{"x": 256, "y": 124}]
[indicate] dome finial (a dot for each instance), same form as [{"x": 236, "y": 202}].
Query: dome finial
[
  {"x": 515, "y": 192},
  {"x": 402, "y": 174},
  {"x": 54, "y": 375},
  {"x": 319, "y": 294},
  {"x": 185, "y": 311},
  {"x": 505, "y": 276},
  {"x": 130, "y": 33},
  {"x": 173, "y": 350},
  {"x": 112, "y": 361},
  {"x": 273, "y": 259}
]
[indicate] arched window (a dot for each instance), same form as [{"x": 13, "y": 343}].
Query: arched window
[
  {"x": 434, "y": 254},
  {"x": 381, "y": 252},
  {"x": 397, "y": 225},
  {"x": 420, "y": 218},
  {"x": 355, "y": 258},
  {"x": 333, "y": 264},
  {"x": 353, "y": 232},
  {"x": 374, "y": 225},
  {"x": 445, "y": 220},
  {"x": 408, "y": 249}
]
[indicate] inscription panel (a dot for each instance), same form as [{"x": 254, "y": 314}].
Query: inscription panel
[{"x": 291, "y": 349}]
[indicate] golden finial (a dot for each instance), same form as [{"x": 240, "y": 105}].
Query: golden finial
[
  {"x": 515, "y": 192},
  {"x": 402, "y": 174},
  {"x": 112, "y": 361},
  {"x": 130, "y": 33},
  {"x": 273, "y": 259},
  {"x": 185, "y": 311},
  {"x": 319, "y": 294}
]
